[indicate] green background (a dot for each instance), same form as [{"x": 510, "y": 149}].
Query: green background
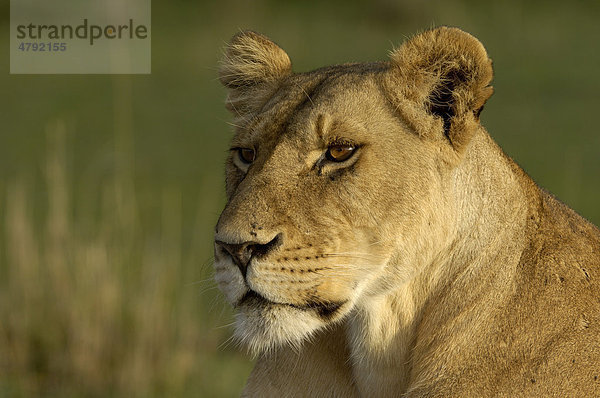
[{"x": 110, "y": 185}]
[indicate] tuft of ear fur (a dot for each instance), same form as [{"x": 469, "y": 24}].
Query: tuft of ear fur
[
  {"x": 445, "y": 72},
  {"x": 252, "y": 67}
]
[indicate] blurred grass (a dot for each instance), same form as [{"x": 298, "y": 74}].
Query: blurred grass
[
  {"x": 110, "y": 185},
  {"x": 101, "y": 307}
]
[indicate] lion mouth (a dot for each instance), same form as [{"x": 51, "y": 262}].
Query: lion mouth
[
  {"x": 325, "y": 309},
  {"x": 252, "y": 297}
]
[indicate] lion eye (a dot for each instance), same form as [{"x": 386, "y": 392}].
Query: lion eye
[
  {"x": 339, "y": 153},
  {"x": 246, "y": 155}
]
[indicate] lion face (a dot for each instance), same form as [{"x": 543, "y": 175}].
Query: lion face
[{"x": 331, "y": 194}]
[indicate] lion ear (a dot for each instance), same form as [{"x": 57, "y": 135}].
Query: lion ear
[
  {"x": 445, "y": 72},
  {"x": 252, "y": 68}
]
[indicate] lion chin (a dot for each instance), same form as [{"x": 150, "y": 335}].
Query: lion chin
[{"x": 262, "y": 326}]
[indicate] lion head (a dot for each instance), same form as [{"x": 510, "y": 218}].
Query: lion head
[{"x": 338, "y": 180}]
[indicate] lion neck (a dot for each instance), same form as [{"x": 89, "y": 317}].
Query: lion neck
[{"x": 469, "y": 272}]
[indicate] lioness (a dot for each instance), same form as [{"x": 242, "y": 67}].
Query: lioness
[{"x": 377, "y": 242}]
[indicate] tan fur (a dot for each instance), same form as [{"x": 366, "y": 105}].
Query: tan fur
[{"x": 428, "y": 265}]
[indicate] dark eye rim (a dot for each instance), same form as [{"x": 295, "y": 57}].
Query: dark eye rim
[
  {"x": 352, "y": 153},
  {"x": 240, "y": 154}
]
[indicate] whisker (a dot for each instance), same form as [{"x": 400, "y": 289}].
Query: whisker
[
  {"x": 236, "y": 110},
  {"x": 228, "y": 325},
  {"x": 305, "y": 93},
  {"x": 226, "y": 343},
  {"x": 208, "y": 289},
  {"x": 235, "y": 125},
  {"x": 207, "y": 264},
  {"x": 363, "y": 256},
  {"x": 211, "y": 279},
  {"x": 375, "y": 243},
  {"x": 216, "y": 300}
]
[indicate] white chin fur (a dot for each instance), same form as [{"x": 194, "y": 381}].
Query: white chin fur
[{"x": 262, "y": 330}]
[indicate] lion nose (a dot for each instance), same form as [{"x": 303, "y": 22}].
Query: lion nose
[{"x": 243, "y": 253}]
